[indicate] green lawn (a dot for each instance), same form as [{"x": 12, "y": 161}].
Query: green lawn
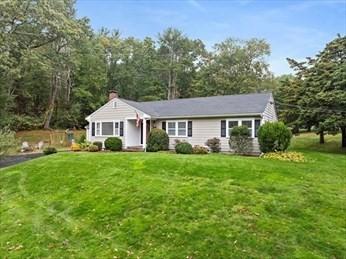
[{"x": 157, "y": 205}]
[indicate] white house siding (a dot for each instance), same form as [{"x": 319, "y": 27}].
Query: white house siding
[
  {"x": 269, "y": 113},
  {"x": 121, "y": 112},
  {"x": 202, "y": 130}
]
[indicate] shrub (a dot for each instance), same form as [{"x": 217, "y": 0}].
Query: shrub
[
  {"x": 7, "y": 141},
  {"x": 214, "y": 145},
  {"x": 98, "y": 144},
  {"x": 84, "y": 145},
  {"x": 113, "y": 144},
  {"x": 158, "y": 140},
  {"x": 81, "y": 139},
  {"x": 75, "y": 147},
  {"x": 93, "y": 148},
  {"x": 21, "y": 122},
  {"x": 183, "y": 148},
  {"x": 285, "y": 156},
  {"x": 200, "y": 150},
  {"x": 49, "y": 150},
  {"x": 274, "y": 136},
  {"x": 240, "y": 140}
]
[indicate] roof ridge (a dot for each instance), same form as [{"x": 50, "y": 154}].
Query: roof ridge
[{"x": 199, "y": 97}]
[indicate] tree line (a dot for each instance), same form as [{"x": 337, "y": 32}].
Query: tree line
[{"x": 55, "y": 69}]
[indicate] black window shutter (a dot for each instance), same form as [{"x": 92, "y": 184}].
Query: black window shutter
[
  {"x": 223, "y": 128},
  {"x": 121, "y": 129},
  {"x": 189, "y": 128},
  {"x": 257, "y": 125},
  {"x": 93, "y": 129},
  {"x": 163, "y": 125}
]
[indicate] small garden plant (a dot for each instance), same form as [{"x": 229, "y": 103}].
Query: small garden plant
[
  {"x": 200, "y": 150},
  {"x": 49, "y": 150},
  {"x": 157, "y": 141},
  {"x": 113, "y": 144},
  {"x": 274, "y": 136},
  {"x": 214, "y": 145},
  {"x": 75, "y": 147},
  {"x": 84, "y": 145},
  {"x": 98, "y": 144},
  {"x": 93, "y": 148},
  {"x": 81, "y": 139}
]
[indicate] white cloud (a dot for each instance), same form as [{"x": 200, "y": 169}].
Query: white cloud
[{"x": 197, "y": 5}]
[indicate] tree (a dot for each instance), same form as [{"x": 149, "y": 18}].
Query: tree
[
  {"x": 235, "y": 67},
  {"x": 323, "y": 88},
  {"x": 179, "y": 58},
  {"x": 287, "y": 91}
]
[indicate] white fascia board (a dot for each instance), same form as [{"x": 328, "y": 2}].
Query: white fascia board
[
  {"x": 209, "y": 116},
  {"x": 117, "y": 99}
]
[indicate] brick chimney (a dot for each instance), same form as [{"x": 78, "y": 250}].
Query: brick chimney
[{"x": 112, "y": 94}]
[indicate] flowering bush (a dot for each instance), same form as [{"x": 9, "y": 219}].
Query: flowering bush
[
  {"x": 200, "y": 150},
  {"x": 285, "y": 156}
]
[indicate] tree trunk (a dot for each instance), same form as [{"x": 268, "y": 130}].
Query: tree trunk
[
  {"x": 343, "y": 137},
  {"x": 169, "y": 88},
  {"x": 322, "y": 137},
  {"x": 51, "y": 104}
]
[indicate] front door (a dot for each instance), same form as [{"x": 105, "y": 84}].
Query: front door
[{"x": 148, "y": 129}]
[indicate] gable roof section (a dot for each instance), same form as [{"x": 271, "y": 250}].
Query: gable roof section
[{"x": 241, "y": 104}]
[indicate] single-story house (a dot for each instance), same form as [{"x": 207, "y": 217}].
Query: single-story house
[{"x": 194, "y": 120}]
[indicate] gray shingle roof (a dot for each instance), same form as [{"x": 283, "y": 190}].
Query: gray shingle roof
[{"x": 241, "y": 104}]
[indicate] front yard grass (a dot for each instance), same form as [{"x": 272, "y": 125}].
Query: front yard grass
[{"x": 159, "y": 205}]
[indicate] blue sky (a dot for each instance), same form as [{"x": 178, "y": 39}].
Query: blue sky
[{"x": 294, "y": 29}]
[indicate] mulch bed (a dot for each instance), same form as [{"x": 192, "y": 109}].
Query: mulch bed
[{"x": 16, "y": 159}]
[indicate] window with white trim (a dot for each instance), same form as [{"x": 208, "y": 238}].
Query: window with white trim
[
  {"x": 182, "y": 128},
  {"x": 231, "y": 125},
  {"x": 116, "y": 128},
  {"x": 248, "y": 124},
  {"x": 177, "y": 128},
  {"x": 98, "y": 129},
  {"x": 171, "y": 128},
  {"x": 252, "y": 124},
  {"x": 107, "y": 128},
  {"x": 257, "y": 126},
  {"x": 114, "y": 104}
]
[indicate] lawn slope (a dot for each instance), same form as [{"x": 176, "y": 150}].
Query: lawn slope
[{"x": 137, "y": 205}]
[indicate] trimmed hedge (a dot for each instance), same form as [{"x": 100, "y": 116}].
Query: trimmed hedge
[
  {"x": 183, "y": 148},
  {"x": 274, "y": 136},
  {"x": 113, "y": 144},
  {"x": 158, "y": 140}
]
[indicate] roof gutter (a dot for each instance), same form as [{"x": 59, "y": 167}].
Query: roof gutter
[{"x": 208, "y": 116}]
